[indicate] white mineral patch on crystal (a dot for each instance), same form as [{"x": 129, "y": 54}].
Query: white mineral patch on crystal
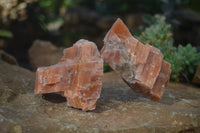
[
  {"x": 98, "y": 96},
  {"x": 40, "y": 78},
  {"x": 47, "y": 71},
  {"x": 69, "y": 77},
  {"x": 114, "y": 37},
  {"x": 82, "y": 103},
  {"x": 83, "y": 41}
]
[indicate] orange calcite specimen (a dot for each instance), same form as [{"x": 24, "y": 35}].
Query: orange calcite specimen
[
  {"x": 141, "y": 66},
  {"x": 78, "y": 76}
]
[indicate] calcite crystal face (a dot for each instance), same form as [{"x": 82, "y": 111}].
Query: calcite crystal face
[
  {"x": 78, "y": 76},
  {"x": 141, "y": 66}
]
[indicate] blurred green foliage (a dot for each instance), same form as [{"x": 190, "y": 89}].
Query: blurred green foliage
[
  {"x": 52, "y": 11},
  {"x": 190, "y": 59},
  {"x": 184, "y": 59},
  {"x": 54, "y": 6},
  {"x": 6, "y": 33}
]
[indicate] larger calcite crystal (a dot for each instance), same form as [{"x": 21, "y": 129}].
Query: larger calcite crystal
[
  {"x": 141, "y": 66},
  {"x": 77, "y": 76}
]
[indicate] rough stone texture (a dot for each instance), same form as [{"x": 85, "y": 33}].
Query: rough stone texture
[
  {"x": 14, "y": 81},
  {"x": 78, "y": 76},
  {"x": 119, "y": 109},
  {"x": 139, "y": 65},
  {"x": 196, "y": 78},
  {"x": 7, "y": 58},
  {"x": 44, "y": 53}
]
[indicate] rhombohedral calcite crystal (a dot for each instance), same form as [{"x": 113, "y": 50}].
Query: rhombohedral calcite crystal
[
  {"x": 141, "y": 66},
  {"x": 78, "y": 76}
]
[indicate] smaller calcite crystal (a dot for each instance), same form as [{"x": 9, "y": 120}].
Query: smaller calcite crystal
[
  {"x": 141, "y": 66},
  {"x": 78, "y": 76}
]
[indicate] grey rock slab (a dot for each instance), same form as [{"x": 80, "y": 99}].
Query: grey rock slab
[
  {"x": 119, "y": 109},
  {"x": 7, "y": 58},
  {"x": 44, "y": 53}
]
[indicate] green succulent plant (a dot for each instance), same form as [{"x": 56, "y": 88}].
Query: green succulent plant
[
  {"x": 159, "y": 35},
  {"x": 184, "y": 59},
  {"x": 190, "y": 58}
]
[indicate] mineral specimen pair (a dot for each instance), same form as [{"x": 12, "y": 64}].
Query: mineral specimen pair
[{"x": 78, "y": 75}]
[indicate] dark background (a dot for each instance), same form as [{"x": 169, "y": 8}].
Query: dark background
[{"x": 63, "y": 22}]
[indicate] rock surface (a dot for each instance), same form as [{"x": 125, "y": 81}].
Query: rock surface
[
  {"x": 7, "y": 58},
  {"x": 44, "y": 53},
  {"x": 78, "y": 76},
  {"x": 119, "y": 109},
  {"x": 139, "y": 65},
  {"x": 14, "y": 81}
]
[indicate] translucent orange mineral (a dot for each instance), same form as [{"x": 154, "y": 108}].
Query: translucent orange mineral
[
  {"x": 78, "y": 76},
  {"x": 140, "y": 66}
]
